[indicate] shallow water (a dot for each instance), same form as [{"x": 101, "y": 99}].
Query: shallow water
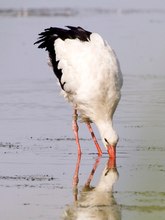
[{"x": 37, "y": 147}]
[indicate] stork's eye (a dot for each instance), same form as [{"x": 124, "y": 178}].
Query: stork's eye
[
  {"x": 106, "y": 172},
  {"x": 106, "y": 140}
]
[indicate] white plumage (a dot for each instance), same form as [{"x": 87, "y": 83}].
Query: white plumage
[{"x": 90, "y": 78}]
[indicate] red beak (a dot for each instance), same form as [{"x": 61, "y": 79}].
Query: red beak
[{"x": 112, "y": 151}]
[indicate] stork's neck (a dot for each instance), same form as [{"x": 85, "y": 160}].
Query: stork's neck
[
  {"x": 104, "y": 125},
  {"x": 107, "y": 132}
]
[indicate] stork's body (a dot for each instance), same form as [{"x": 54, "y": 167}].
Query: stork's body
[{"x": 90, "y": 77}]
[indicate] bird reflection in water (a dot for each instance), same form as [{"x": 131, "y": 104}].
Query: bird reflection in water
[{"x": 95, "y": 202}]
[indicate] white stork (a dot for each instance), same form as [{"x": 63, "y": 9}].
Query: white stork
[{"x": 89, "y": 74}]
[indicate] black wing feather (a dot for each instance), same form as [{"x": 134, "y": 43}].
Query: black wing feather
[{"x": 48, "y": 36}]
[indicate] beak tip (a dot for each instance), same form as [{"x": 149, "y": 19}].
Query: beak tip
[{"x": 112, "y": 151}]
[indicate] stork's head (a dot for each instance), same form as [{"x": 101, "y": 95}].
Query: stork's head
[
  {"x": 110, "y": 141},
  {"x": 109, "y": 137}
]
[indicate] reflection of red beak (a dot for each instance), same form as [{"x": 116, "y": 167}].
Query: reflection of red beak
[{"x": 111, "y": 151}]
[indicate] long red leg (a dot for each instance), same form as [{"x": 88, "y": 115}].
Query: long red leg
[
  {"x": 93, "y": 171},
  {"x": 76, "y": 178},
  {"x": 75, "y": 130},
  {"x": 94, "y": 138}
]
